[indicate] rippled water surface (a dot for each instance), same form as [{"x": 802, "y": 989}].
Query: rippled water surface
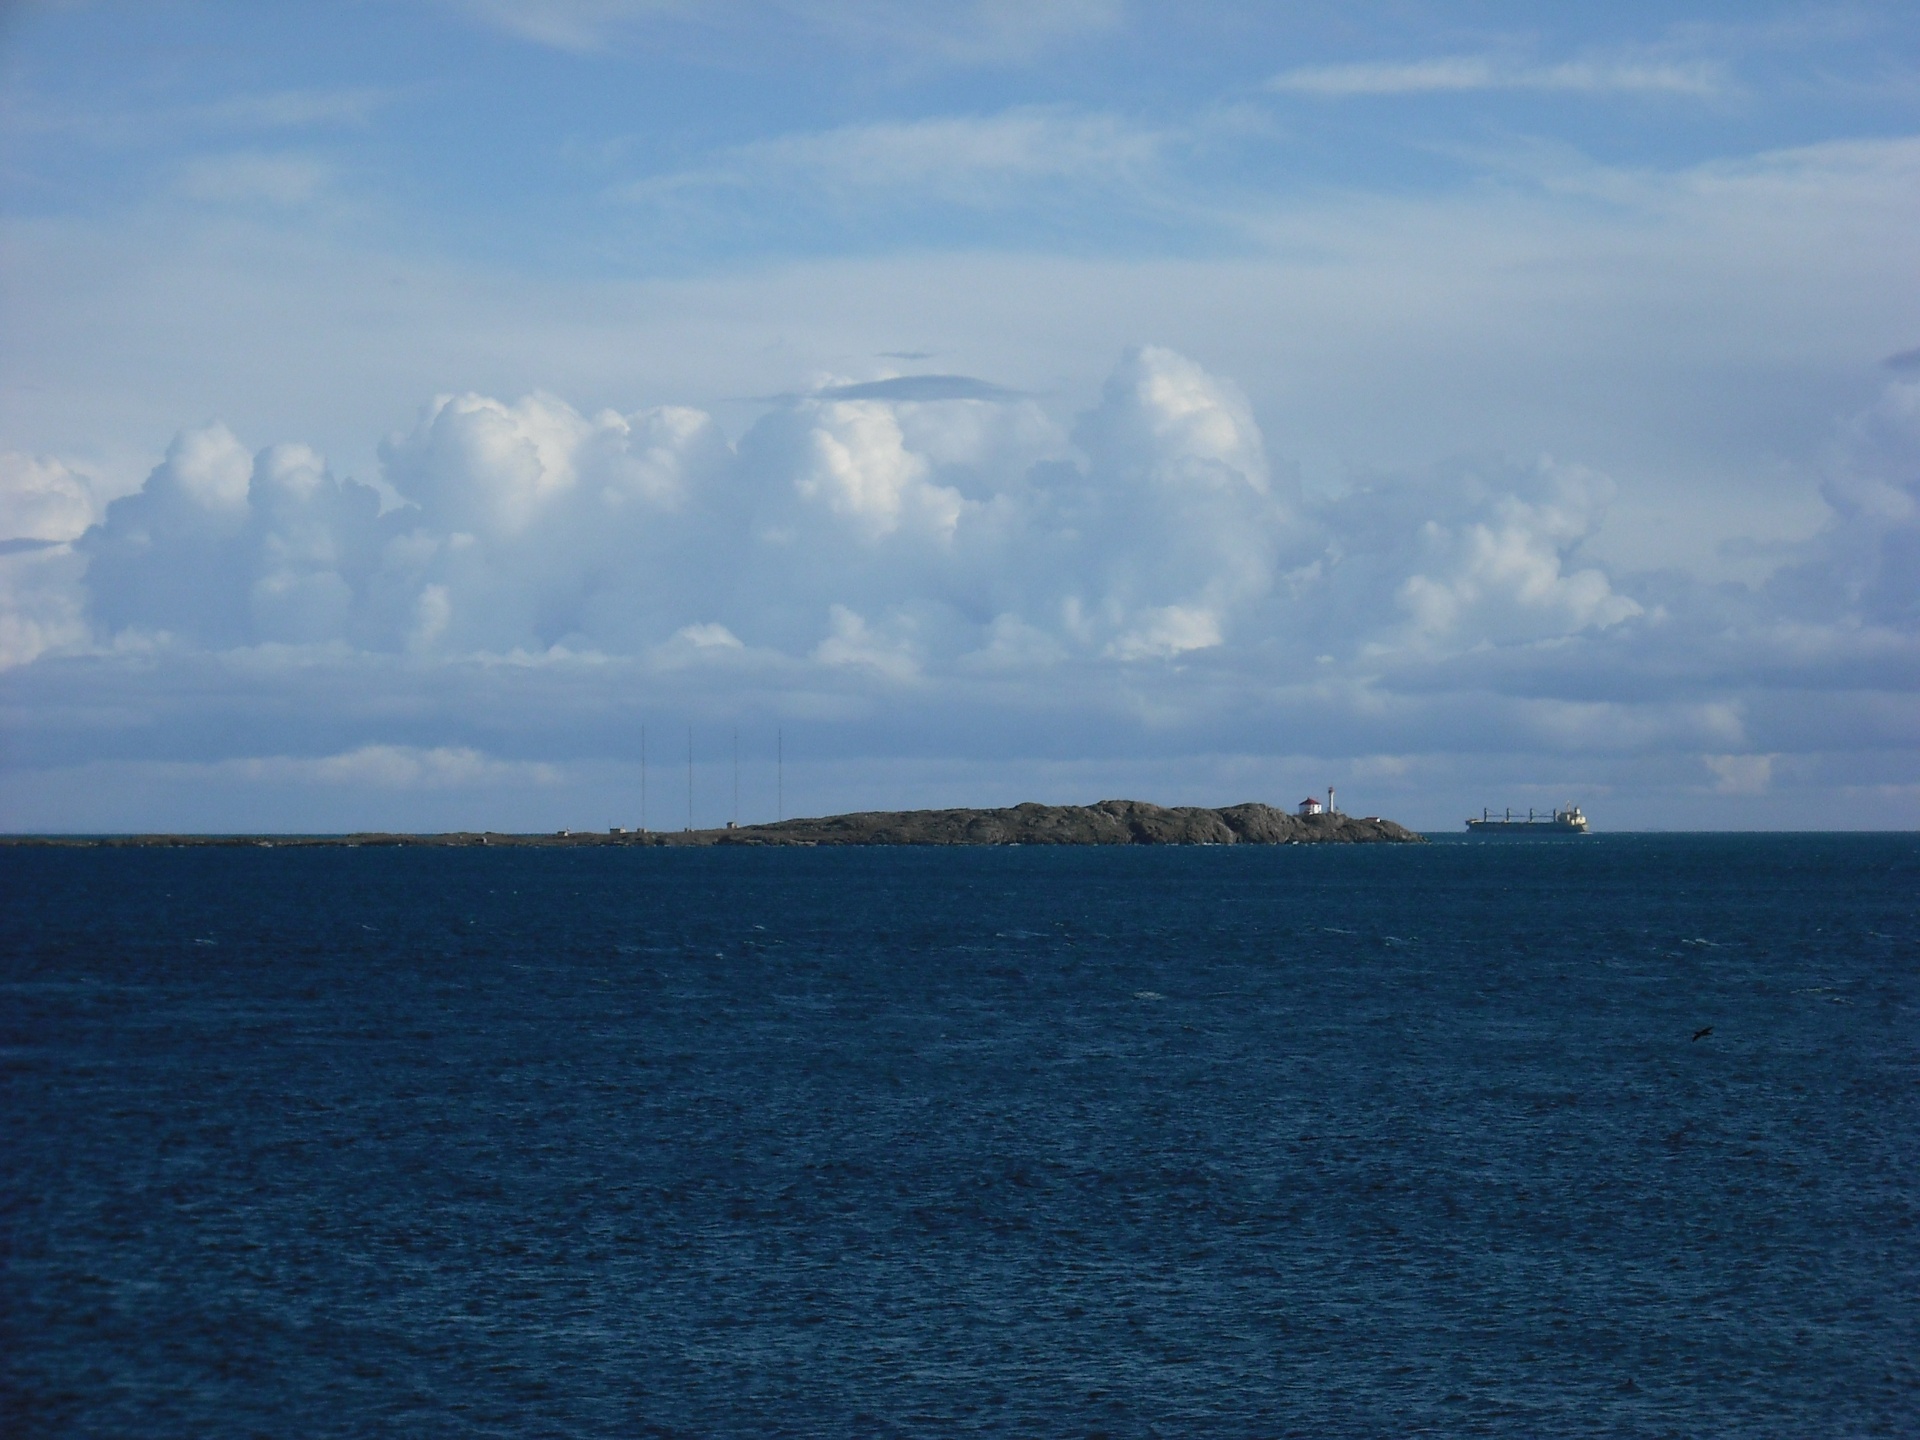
[{"x": 1318, "y": 1142}]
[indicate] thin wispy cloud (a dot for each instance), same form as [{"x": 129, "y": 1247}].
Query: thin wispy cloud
[
  {"x": 962, "y": 158},
  {"x": 975, "y": 32},
  {"x": 580, "y": 26},
  {"x": 903, "y": 389},
  {"x": 924, "y": 388},
  {"x": 1459, "y": 74},
  {"x": 293, "y": 109},
  {"x": 129, "y": 125},
  {"x": 252, "y": 177}
]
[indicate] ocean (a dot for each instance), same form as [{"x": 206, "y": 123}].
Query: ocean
[{"x": 1616, "y": 1136}]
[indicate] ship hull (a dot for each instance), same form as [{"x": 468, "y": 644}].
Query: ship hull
[{"x": 1524, "y": 829}]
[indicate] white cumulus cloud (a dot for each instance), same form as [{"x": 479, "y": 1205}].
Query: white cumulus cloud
[
  {"x": 1461, "y": 73},
  {"x": 913, "y": 533},
  {"x": 41, "y": 498},
  {"x": 947, "y": 525}
]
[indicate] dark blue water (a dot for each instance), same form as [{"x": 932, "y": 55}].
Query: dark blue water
[{"x": 1318, "y": 1142}]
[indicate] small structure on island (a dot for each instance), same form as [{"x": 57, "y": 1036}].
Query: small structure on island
[{"x": 1310, "y": 806}]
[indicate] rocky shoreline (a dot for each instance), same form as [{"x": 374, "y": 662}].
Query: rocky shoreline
[{"x": 1111, "y": 822}]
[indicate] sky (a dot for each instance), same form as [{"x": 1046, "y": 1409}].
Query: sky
[{"x": 428, "y": 414}]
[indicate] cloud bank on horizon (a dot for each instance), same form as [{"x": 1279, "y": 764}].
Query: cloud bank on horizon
[
  {"x": 965, "y": 572},
  {"x": 1094, "y": 537}
]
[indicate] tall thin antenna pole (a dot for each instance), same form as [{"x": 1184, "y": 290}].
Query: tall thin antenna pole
[
  {"x": 689, "y": 777},
  {"x": 736, "y": 777},
  {"x": 780, "y": 775},
  {"x": 643, "y": 779}
]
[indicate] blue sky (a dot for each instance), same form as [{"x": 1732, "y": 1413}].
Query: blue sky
[{"x": 1458, "y": 403}]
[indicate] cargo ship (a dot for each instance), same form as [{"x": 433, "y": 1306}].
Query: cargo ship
[{"x": 1555, "y": 822}]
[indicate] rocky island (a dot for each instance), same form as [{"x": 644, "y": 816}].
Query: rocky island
[{"x": 1111, "y": 822}]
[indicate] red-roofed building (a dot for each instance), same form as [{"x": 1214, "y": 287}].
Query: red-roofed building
[{"x": 1310, "y": 806}]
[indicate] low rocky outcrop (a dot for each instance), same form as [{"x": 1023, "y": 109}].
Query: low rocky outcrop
[{"x": 1111, "y": 822}]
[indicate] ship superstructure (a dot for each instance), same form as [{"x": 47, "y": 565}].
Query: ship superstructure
[{"x": 1554, "y": 822}]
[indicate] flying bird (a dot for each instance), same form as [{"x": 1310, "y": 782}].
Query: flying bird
[{"x": 1703, "y": 1032}]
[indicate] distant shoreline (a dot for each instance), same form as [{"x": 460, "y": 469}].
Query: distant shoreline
[{"x": 1111, "y": 822}]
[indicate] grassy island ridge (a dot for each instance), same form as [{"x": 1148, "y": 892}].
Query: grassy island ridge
[{"x": 1111, "y": 822}]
